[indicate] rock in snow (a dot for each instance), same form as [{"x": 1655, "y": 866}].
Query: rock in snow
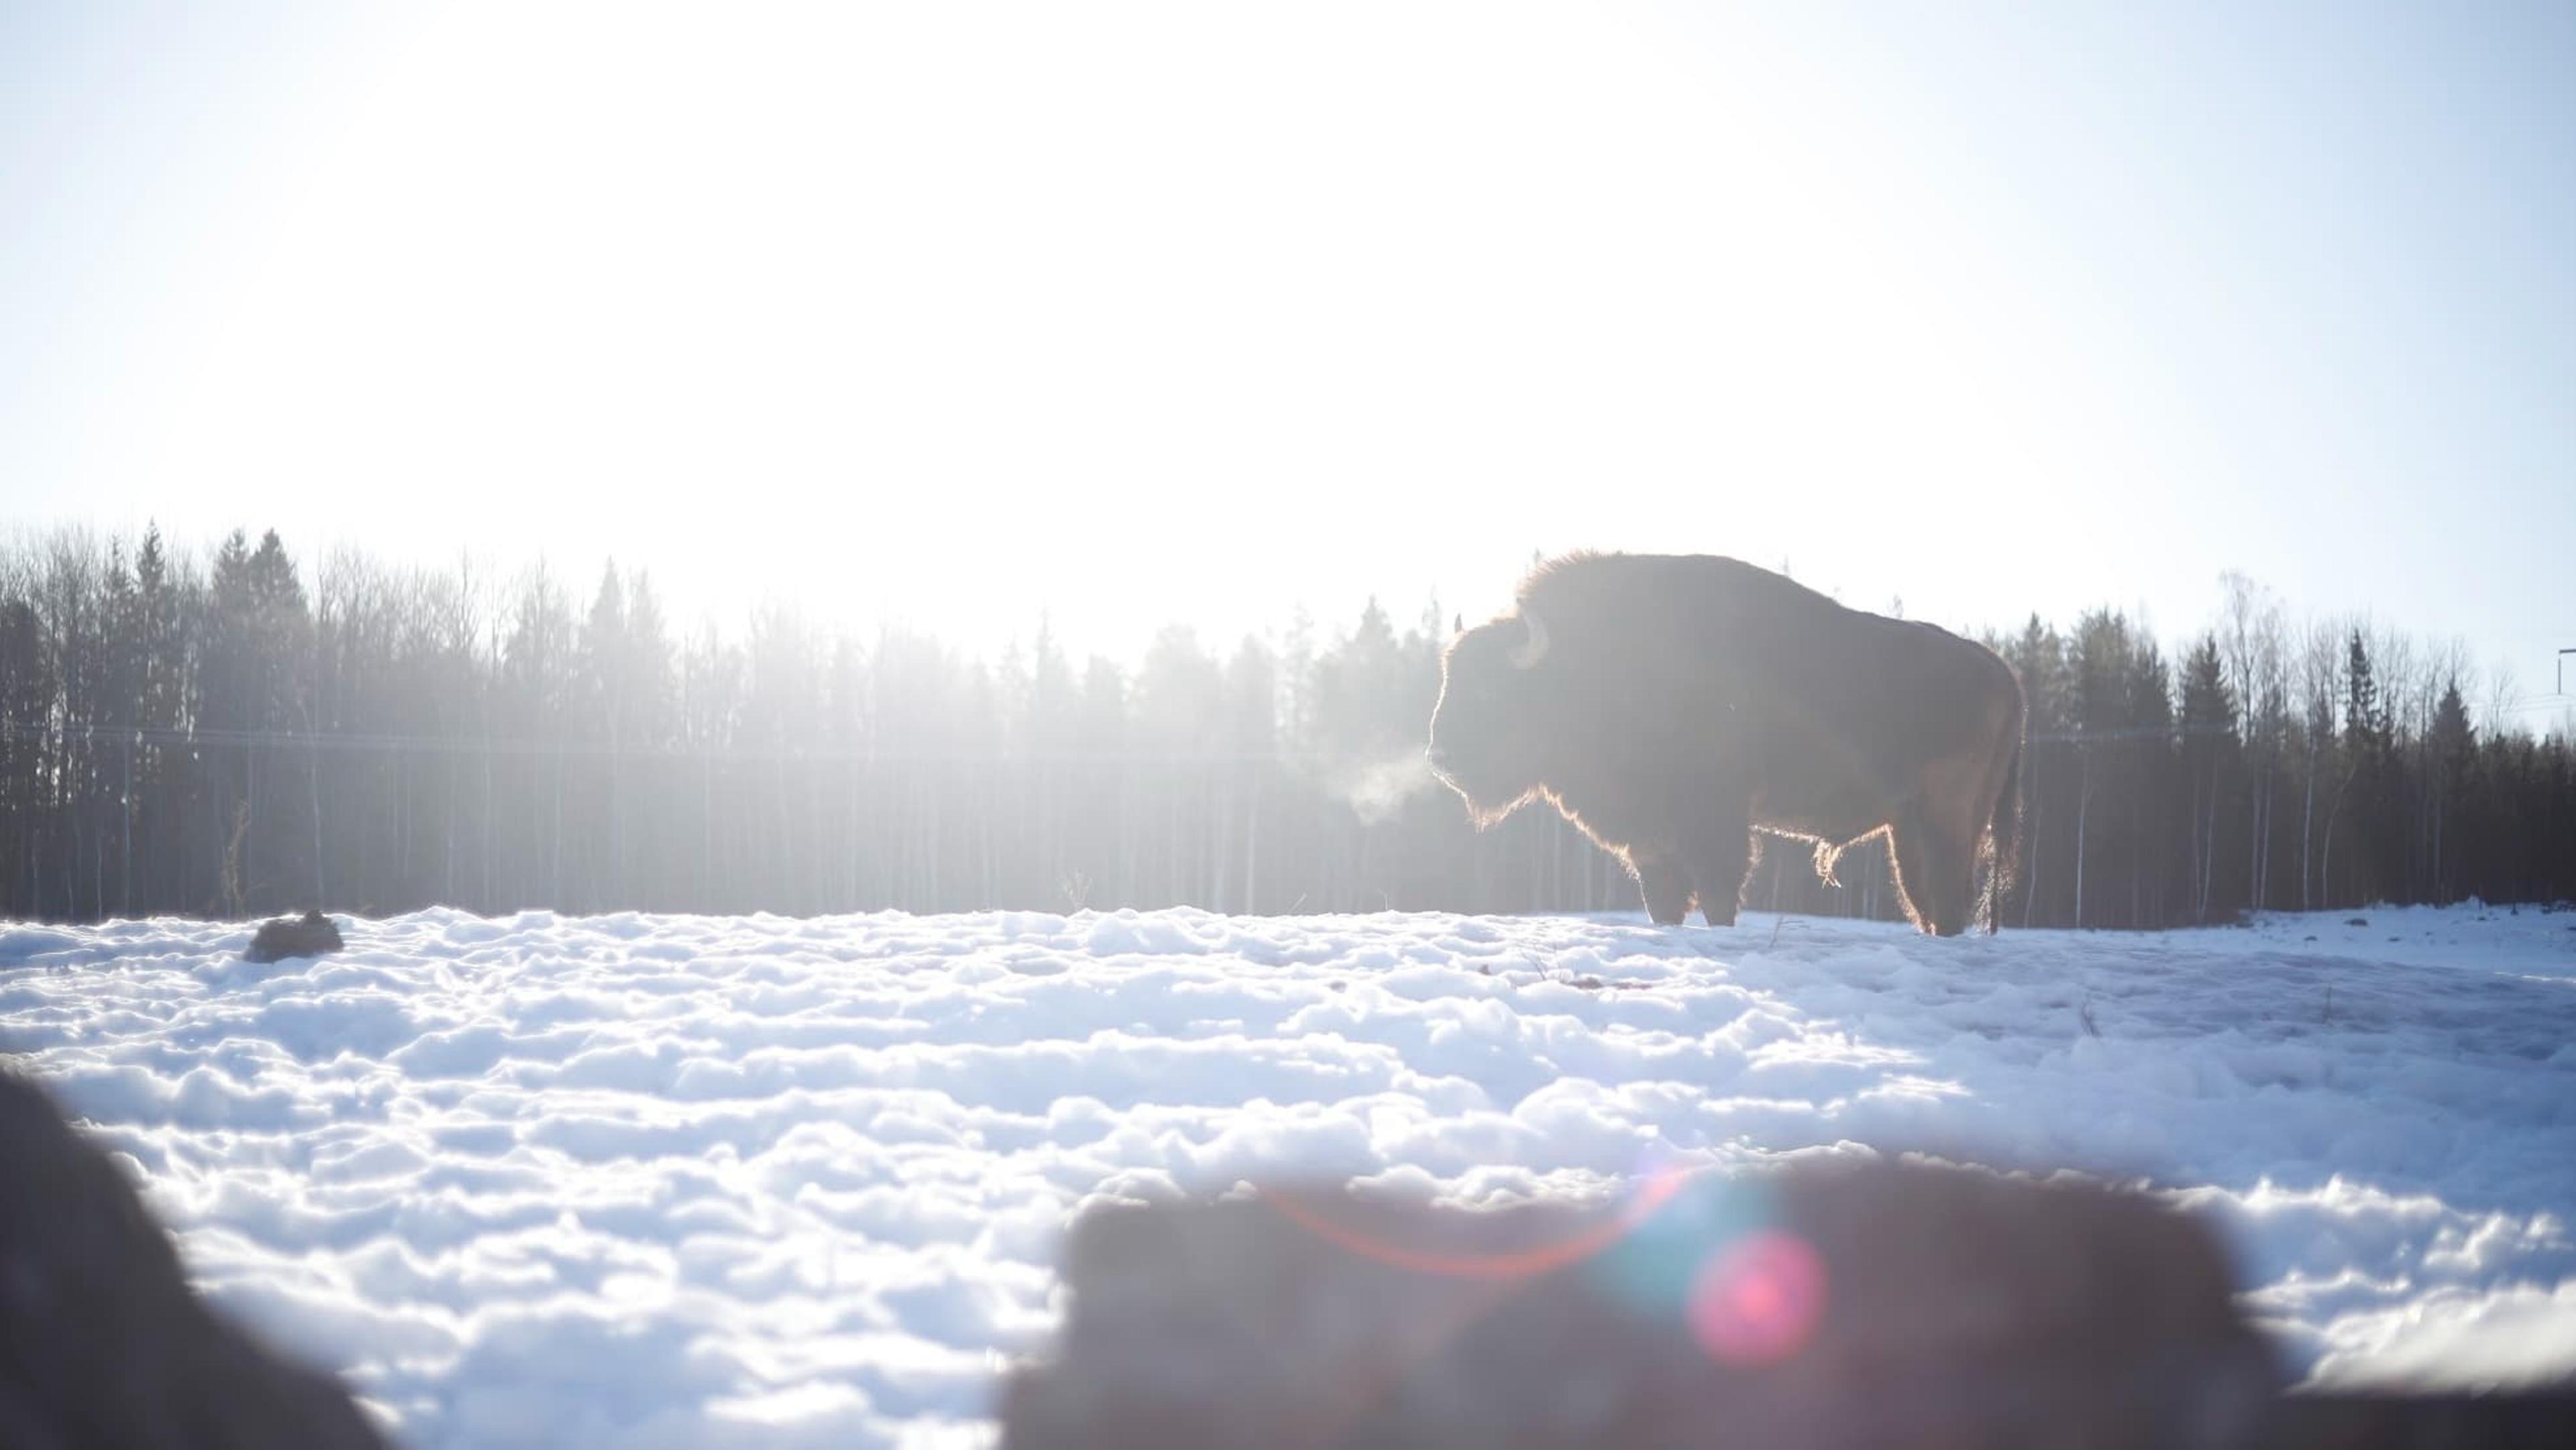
[{"x": 309, "y": 935}]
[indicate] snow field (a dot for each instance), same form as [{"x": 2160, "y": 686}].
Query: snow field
[{"x": 660, "y": 1180}]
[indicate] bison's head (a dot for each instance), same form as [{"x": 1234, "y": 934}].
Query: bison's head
[{"x": 1487, "y": 732}]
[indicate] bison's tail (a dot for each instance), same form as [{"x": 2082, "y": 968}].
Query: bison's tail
[{"x": 2004, "y": 837}]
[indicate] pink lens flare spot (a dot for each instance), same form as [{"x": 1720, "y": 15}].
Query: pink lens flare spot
[{"x": 1758, "y": 1300}]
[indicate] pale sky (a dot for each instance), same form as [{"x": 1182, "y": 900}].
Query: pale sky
[{"x": 1197, "y": 312}]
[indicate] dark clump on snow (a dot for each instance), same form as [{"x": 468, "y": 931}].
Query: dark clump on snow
[
  {"x": 102, "y": 1342},
  {"x": 1878, "y": 1305},
  {"x": 1826, "y": 1306},
  {"x": 309, "y": 935}
]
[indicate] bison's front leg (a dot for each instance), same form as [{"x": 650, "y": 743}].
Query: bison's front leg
[
  {"x": 1666, "y": 889},
  {"x": 1717, "y": 850}
]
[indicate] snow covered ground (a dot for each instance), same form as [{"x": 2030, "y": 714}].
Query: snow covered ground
[{"x": 641, "y": 1181}]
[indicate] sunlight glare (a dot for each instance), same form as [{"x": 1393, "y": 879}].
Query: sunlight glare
[{"x": 962, "y": 313}]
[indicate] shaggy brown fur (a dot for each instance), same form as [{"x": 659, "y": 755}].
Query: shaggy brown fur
[{"x": 1672, "y": 705}]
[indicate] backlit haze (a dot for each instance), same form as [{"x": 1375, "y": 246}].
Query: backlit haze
[{"x": 1197, "y": 313}]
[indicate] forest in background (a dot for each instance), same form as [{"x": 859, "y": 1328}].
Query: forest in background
[{"x": 237, "y": 735}]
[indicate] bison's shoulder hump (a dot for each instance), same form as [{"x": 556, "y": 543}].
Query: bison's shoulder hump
[{"x": 1634, "y": 589}]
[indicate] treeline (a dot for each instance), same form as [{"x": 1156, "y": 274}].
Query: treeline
[
  {"x": 2274, "y": 767},
  {"x": 241, "y": 735}
]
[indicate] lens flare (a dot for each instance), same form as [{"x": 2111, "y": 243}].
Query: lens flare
[
  {"x": 1650, "y": 1272},
  {"x": 1524, "y": 1263},
  {"x": 1758, "y": 1300}
]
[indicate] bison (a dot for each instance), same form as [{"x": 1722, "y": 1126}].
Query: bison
[{"x": 1671, "y": 705}]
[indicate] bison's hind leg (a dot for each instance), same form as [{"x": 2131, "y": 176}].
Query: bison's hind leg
[
  {"x": 1717, "y": 850},
  {"x": 1936, "y": 873}
]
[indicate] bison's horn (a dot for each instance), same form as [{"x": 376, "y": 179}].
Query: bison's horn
[{"x": 1534, "y": 648}]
